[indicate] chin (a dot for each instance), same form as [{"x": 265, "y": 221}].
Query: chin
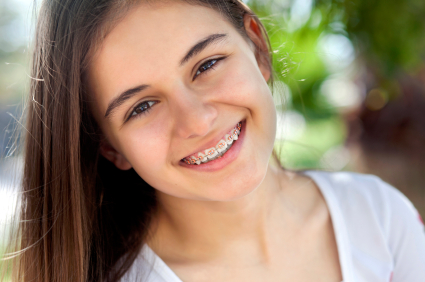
[{"x": 241, "y": 185}]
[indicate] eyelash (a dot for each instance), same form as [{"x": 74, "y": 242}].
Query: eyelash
[
  {"x": 210, "y": 66},
  {"x": 149, "y": 104},
  {"x": 147, "y": 108}
]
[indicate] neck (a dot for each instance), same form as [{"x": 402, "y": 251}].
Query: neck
[{"x": 206, "y": 229}]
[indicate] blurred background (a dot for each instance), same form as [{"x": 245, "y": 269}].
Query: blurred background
[{"x": 349, "y": 87}]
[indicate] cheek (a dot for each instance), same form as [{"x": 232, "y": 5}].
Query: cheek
[
  {"x": 148, "y": 150},
  {"x": 244, "y": 86},
  {"x": 146, "y": 147}
]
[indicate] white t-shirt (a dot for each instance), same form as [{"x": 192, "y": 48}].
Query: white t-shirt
[{"x": 379, "y": 234}]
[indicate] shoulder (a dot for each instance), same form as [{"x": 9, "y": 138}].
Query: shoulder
[
  {"x": 369, "y": 205},
  {"x": 366, "y": 186},
  {"x": 382, "y": 225},
  {"x": 358, "y": 193}
]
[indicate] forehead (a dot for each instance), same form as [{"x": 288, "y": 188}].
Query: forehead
[
  {"x": 149, "y": 41},
  {"x": 150, "y": 32},
  {"x": 163, "y": 23}
]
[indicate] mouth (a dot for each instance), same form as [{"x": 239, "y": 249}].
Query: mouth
[{"x": 211, "y": 154}]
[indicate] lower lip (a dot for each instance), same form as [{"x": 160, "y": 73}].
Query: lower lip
[{"x": 225, "y": 160}]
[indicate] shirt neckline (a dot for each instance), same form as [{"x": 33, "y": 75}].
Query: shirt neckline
[
  {"x": 338, "y": 225},
  {"x": 159, "y": 266}
]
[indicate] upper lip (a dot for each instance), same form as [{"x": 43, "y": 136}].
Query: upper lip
[{"x": 212, "y": 143}]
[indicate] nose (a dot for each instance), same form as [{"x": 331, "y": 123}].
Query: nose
[{"x": 194, "y": 114}]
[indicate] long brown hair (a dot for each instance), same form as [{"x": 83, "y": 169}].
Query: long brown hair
[{"x": 81, "y": 218}]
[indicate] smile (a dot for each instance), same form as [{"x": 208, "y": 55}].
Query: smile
[{"x": 215, "y": 152}]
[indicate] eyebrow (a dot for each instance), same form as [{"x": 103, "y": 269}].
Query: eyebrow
[
  {"x": 115, "y": 103},
  {"x": 201, "y": 45},
  {"x": 196, "y": 49}
]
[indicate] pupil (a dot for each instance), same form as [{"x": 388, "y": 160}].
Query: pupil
[{"x": 142, "y": 108}]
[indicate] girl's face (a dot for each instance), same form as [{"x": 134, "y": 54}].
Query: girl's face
[{"x": 160, "y": 97}]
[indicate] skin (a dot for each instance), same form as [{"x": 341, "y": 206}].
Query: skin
[{"x": 247, "y": 221}]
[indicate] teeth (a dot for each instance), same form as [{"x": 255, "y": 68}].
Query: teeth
[
  {"x": 228, "y": 138},
  {"x": 221, "y": 146},
  {"x": 235, "y": 134},
  {"x": 211, "y": 153},
  {"x": 196, "y": 160},
  {"x": 215, "y": 152},
  {"x": 202, "y": 157}
]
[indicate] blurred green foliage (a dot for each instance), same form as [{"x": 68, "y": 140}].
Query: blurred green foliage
[
  {"x": 299, "y": 63},
  {"x": 307, "y": 151},
  {"x": 296, "y": 59},
  {"x": 388, "y": 39},
  {"x": 389, "y": 34}
]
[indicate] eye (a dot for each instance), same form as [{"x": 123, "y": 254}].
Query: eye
[
  {"x": 142, "y": 108},
  {"x": 208, "y": 65}
]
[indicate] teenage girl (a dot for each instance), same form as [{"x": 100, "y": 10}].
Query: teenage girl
[{"x": 150, "y": 131}]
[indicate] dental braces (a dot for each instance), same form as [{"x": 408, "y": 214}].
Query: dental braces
[{"x": 234, "y": 136}]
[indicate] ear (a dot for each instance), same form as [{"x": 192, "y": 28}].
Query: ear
[
  {"x": 114, "y": 156},
  {"x": 261, "y": 50}
]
